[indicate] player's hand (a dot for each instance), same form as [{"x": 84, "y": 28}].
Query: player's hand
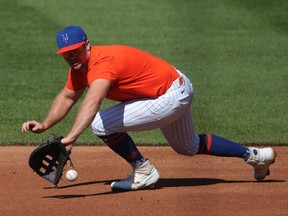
[
  {"x": 68, "y": 142},
  {"x": 32, "y": 126}
]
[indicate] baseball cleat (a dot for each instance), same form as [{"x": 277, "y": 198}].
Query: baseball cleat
[
  {"x": 142, "y": 177},
  {"x": 261, "y": 159}
]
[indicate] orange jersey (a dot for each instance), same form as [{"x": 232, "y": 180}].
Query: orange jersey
[{"x": 132, "y": 73}]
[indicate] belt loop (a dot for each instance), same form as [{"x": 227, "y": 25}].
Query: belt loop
[{"x": 181, "y": 81}]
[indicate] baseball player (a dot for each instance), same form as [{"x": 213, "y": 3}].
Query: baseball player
[{"x": 151, "y": 94}]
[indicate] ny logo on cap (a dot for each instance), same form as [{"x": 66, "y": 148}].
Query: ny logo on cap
[{"x": 65, "y": 38}]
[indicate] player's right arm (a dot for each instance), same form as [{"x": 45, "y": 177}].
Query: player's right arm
[{"x": 61, "y": 105}]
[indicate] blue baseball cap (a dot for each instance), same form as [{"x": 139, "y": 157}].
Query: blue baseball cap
[{"x": 70, "y": 38}]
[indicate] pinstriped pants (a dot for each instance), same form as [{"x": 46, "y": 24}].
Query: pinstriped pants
[{"x": 170, "y": 112}]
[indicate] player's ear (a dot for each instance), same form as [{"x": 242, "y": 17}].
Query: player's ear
[{"x": 87, "y": 45}]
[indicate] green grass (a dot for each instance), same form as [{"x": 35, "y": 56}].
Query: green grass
[{"x": 233, "y": 51}]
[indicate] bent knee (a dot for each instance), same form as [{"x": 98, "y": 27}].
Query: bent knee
[
  {"x": 186, "y": 151},
  {"x": 98, "y": 133},
  {"x": 188, "y": 148},
  {"x": 98, "y": 127}
]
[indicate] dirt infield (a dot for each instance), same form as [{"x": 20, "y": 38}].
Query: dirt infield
[{"x": 201, "y": 185}]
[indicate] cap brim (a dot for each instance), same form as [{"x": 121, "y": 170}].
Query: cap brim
[{"x": 69, "y": 48}]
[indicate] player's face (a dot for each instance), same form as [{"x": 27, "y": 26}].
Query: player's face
[{"x": 76, "y": 58}]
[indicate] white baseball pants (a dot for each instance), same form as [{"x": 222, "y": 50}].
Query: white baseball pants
[{"x": 170, "y": 112}]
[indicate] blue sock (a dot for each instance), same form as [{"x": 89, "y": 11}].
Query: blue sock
[
  {"x": 123, "y": 145},
  {"x": 218, "y": 146}
]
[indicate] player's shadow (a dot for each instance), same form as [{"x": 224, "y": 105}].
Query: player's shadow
[
  {"x": 82, "y": 184},
  {"x": 182, "y": 182},
  {"x": 162, "y": 183}
]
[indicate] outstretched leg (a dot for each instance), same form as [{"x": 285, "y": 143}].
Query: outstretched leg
[
  {"x": 260, "y": 159},
  {"x": 180, "y": 135},
  {"x": 219, "y": 146}
]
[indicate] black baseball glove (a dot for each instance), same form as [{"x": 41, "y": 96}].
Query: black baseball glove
[{"x": 49, "y": 159}]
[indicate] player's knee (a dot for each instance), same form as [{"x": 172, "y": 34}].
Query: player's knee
[
  {"x": 100, "y": 131},
  {"x": 98, "y": 128},
  {"x": 188, "y": 147},
  {"x": 97, "y": 132},
  {"x": 186, "y": 151}
]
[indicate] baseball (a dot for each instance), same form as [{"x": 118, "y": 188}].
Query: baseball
[{"x": 71, "y": 175}]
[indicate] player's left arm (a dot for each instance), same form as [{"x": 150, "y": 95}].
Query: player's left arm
[{"x": 87, "y": 111}]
